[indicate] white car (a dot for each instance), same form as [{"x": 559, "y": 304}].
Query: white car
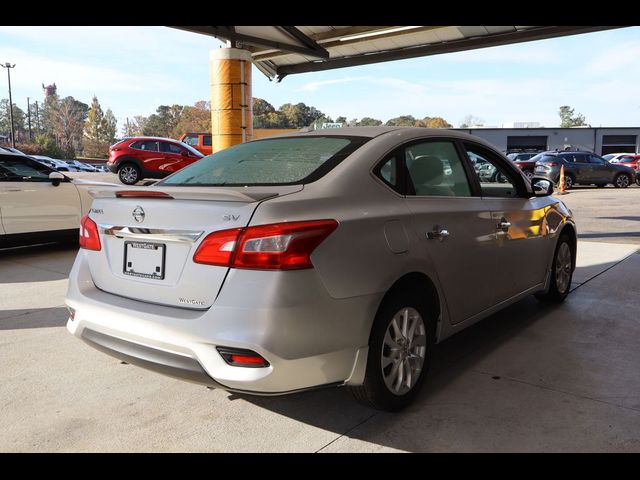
[
  {"x": 615, "y": 157},
  {"x": 38, "y": 203}
]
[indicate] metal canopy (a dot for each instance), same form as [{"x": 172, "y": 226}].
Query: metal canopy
[{"x": 281, "y": 51}]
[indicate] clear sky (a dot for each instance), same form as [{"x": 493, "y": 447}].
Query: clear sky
[{"x": 132, "y": 70}]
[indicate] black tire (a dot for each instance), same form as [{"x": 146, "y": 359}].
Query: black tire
[
  {"x": 374, "y": 391},
  {"x": 622, "y": 180},
  {"x": 528, "y": 174},
  {"x": 129, "y": 173},
  {"x": 569, "y": 181},
  {"x": 638, "y": 179},
  {"x": 557, "y": 294}
]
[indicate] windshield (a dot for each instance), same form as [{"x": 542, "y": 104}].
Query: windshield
[
  {"x": 278, "y": 161},
  {"x": 545, "y": 158}
]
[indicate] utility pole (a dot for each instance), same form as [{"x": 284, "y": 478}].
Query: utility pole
[
  {"x": 29, "y": 117},
  {"x": 37, "y": 118},
  {"x": 8, "y": 66}
]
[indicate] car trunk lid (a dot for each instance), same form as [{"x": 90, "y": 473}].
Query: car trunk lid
[{"x": 150, "y": 234}]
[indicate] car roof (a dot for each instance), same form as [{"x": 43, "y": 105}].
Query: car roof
[{"x": 164, "y": 139}]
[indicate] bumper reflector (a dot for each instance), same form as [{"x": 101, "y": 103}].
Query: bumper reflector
[{"x": 238, "y": 357}]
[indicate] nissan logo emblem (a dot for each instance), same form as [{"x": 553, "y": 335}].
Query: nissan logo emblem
[{"x": 138, "y": 214}]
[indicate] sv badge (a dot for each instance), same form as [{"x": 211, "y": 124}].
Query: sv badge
[{"x": 228, "y": 218}]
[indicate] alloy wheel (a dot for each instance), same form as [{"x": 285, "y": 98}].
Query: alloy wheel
[
  {"x": 622, "y": 181},
  {"x": 128, "y": 174},
  {"x": 403, "y": 351},
  {"x": 563, "y": 267}
]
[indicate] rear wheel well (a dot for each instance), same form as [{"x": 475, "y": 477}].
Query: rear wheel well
[
  {"x": 421, "y": 283},
  {"x": 571, "y": 232}
]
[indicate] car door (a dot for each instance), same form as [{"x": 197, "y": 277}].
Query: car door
[
  {"x": 518, "y": 227},
  {"x": 176, "y": 156},
  {"x": 454, "y": 226},
  {"x": 29, "y": 201},
  {"x": 582, "y": 168},
  {"x": 600, "y": 171},
  {"x": 149, "y": 155}
]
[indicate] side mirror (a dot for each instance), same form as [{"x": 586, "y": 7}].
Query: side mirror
[
  {"x": 56, "y": 178},
  {"x": 541, "y": 186}
]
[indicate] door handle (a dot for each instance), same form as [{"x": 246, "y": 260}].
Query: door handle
[
  {"x": 438, "y": 234},
  {"x": 504, "y": 225}
]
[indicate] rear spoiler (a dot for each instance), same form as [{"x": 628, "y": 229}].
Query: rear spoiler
[{"x": 225, "y": 194}]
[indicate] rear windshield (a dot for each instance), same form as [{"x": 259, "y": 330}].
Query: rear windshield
[{"x": 278, "y": 161}]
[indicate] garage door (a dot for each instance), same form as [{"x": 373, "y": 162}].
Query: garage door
[
  {"x": 526, "y": 143},
  {"x": 619, "y": 144}
]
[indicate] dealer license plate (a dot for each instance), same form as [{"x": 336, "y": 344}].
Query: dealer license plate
[{"x": 145, "y": 260}]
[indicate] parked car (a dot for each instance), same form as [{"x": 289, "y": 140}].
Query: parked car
[
  {"x": 199, "y": 141},
  {"x": 334, "y": 257},
  {"x": 613, "y": 157},
  {"x": 81, "y": 166},
  {"x": 39, "y": 204},
  {"x": 630, "y": 160},
  {"x": 521, "y": 156},
  {"x": 583, "y": 168},
  {"x": 149, "y": 157},
  {"x": 59, "y": 165},
  {"x": 11, "y": 150}
]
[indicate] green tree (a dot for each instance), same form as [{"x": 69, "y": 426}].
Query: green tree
[
  {"x": 49, "y": 145},
  {"x": 19, "y": 118},
  {"x": 299, "y": 115},
  {"x": 341, "y": 120},
  {"x": 261, "y": 107},
  {"x": 568, "y": 119},
  {"x": 369, "y": 122},
  {"x": 163, "y": 122},
  {"x": 109, "y": 127},
  {"x": 193, "y": 119},
  {"x": 92, "y": 139},
  {"x": 402, "y": 121}
]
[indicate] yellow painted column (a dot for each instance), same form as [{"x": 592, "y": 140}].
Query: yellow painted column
[{"x": 231, "y": 100}]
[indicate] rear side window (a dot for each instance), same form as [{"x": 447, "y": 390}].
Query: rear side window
[
  {"x": 206, "y": 140},
  {"x": 146, "y": 145},
  {"x": 278, "y": 161}
]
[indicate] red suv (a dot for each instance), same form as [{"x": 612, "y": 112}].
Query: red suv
[{"x": 149, "y": 157}]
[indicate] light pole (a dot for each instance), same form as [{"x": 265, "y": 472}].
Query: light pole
[{"x": 8, "y": 66}]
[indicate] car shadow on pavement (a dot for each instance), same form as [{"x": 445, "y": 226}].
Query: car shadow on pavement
[
  {"x": 37, "y": 263},
  {"x": 327, "y": 408},
  {"x": 38, "y": 318}
]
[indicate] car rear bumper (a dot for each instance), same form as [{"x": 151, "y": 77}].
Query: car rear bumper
[{"x": 322, "y": 344}]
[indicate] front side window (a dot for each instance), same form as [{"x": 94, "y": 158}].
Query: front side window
[
  {"x": 278, "y": 161},
  {"x": 23, "y": 170},
  {"x": 435, "y": 169},
  {"x": 171, "y": 148},
  {"x": 495, "y": 179},
  {"x": 206, "y": 140}
]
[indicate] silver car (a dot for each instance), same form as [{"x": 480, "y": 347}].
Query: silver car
[{"x": 331, "y": 258}]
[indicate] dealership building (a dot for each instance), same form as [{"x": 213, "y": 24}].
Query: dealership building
[{"x": 601, "y": 140}]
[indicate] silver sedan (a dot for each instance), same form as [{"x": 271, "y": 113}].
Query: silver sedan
[{"x": 331, "y": 258}]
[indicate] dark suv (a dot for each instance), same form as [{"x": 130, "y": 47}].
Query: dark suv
[
  {"x": 582, "y": 168},
  {"x": 149, "y": 157}
]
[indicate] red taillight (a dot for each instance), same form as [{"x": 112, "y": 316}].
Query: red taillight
[
  {"x": 279, "y": 246},
  {"x": 217, "y": 248},
  {"x": 89, "y": 236},
  {"x": 550, "y": 164},
  {"x": 143, "y": 194}
]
